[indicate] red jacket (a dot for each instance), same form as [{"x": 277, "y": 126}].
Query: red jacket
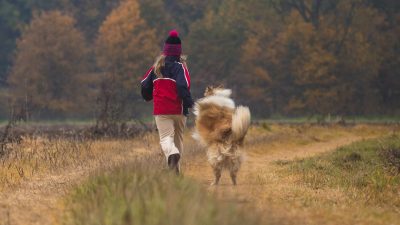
[{"x": 171, "y": 93}]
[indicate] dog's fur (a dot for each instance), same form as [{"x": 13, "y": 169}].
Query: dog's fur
[{"x": 221, "y": 127}]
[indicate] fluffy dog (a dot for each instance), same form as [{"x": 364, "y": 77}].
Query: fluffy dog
[{"x": 221, "y": 127}]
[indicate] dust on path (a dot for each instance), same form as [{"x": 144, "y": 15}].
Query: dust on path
[
  {"x": 261, "y": 188},
  {"x": 39, "y": 200}
]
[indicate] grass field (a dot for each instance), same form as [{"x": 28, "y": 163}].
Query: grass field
[
  {"x": 370, "y": 168},
  {"x": 145, "y": 193},
  {"x": 298, "y": 173},
  {"x": 363, "y": 178}
]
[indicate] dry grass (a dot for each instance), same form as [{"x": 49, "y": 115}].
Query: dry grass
[
  {"x": 263, "y": 183},
  {"x": 38, "y": 155},
  {"x": 279, "y": 138},
  {"x": 144, "y": 193},
  {"x": 51, "y": 167},
  {"x": 359, "y": 170},
  {"x": 348, "y": 186}
]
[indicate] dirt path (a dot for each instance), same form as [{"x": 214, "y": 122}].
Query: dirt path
[
  {"x": 39, "y": 200},
  {"x": 262, "y": 159},
  {"x": 261, "y": 187}
]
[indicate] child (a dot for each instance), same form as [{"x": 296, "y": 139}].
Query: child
[{"x": 167, "y": 83}]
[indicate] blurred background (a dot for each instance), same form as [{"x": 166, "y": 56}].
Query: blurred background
[{"x": 83, "y": 59}]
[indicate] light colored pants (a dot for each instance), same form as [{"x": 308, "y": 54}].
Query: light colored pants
[{"x": 170, "y": 128}]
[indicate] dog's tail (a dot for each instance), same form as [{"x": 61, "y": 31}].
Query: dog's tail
[{"x": 240, "y": 123}]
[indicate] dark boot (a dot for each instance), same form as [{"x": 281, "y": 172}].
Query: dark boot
[{"x": 173, "y": 161}]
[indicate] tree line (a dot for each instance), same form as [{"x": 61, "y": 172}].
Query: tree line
[{"x": 84, "y": 59}]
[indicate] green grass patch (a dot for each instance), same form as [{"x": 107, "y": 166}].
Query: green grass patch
[
  {"x": 366, "y": 170},
  {"x": 145, "y": 194}
]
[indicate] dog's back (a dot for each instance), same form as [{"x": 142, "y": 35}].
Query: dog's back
[
  {"x": 214, "y": 122},
  {"x": 217, "y": 119},
  {"x": 222, "y": 128}
]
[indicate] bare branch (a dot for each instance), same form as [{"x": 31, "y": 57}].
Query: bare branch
[
  {"x": 348, "y": 22},
  {"x": 315, "y": 13},
  {"x": 301, "y": 8}
]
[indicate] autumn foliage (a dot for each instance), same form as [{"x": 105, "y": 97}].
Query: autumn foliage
[
  {"x": 124, "y": 49},
  {"x": 281, "y": 57},
  {"x": 50, "y": 66}
]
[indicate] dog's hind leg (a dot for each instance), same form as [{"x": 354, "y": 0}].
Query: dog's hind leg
[
  {"x": 233, "y": 174},
  {"x": 234, "y": 167},
  {"x": 217, "y": 174}
]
